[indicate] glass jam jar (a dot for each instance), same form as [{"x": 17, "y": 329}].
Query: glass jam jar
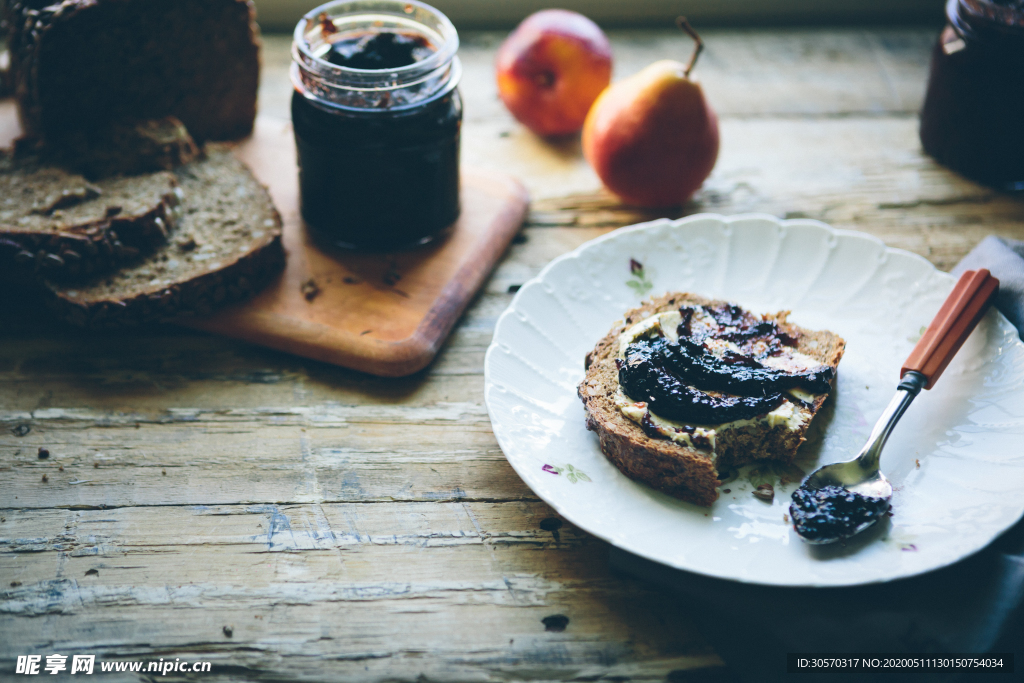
[
  {"x": 377, "y": 114},
  {"x": 973, "y": 115}
]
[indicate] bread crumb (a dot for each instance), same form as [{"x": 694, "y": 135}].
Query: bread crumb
[
  {"x": 765, "y": 492},
  {"x": 310, "y": 289}
]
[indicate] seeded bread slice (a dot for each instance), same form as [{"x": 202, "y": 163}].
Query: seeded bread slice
[
  {"x": 688, "y": 473},
  {"x": 58, "y": 223},
  {"x": 227, "y": 246}
]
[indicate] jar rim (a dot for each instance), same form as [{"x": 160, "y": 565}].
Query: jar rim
[
  {"x": 970, "y": 15},
  {"x": 401, "y": 11},
  {"x": 450, "y": 81}
]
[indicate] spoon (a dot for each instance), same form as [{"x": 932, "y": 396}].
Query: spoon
[{"x": 839, "y": 500}]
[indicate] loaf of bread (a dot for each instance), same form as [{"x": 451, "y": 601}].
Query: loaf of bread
[
  {"x": 78, "y": 65},
  {"x": 684, "y": 457},
  {"x": 110, "y": 205}
]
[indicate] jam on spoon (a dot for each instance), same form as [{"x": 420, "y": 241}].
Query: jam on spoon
[
  {"x": 839, "y": 500},
  {"x": 833, "y": 511}
]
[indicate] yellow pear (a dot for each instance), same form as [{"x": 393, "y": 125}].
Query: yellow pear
[{"x": 652, "y": 138}]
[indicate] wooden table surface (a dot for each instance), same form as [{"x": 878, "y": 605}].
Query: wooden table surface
[{"x": 282, "y": 518}]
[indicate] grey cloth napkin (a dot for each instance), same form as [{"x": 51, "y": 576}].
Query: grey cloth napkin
[
  {"x": 973, "y": 606},
  {"x": 1004, "y": 258}
]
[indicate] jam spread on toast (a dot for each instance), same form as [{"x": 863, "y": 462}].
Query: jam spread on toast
[{"x": 719, "y": 369}]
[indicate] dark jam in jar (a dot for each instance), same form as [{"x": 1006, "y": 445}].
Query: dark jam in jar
[
  {"x": 379, "y": 50},
  {"x": 377, "y": 116},
  {"x": 973, "y": 115},
  {"x": 378, "y": 182}
]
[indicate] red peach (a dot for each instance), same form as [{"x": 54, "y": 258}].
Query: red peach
[{"x": 551, "y": 68}]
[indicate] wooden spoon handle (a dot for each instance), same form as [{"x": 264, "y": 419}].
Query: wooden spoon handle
[{"x": 952, "y": 324}]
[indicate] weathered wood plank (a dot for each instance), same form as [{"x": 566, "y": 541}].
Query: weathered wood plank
[
  {"x": 327, "y": 585},
  {"x": 873, "y": 177},
  {"x": 281, "y": 455},
  {"x": 280, "y": 528}
]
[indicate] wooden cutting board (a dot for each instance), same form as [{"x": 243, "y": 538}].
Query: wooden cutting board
[{"x": 382, "y": 313}]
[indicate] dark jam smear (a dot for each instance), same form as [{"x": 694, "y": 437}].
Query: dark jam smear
[
  {"x": 675, "y": 378},
  {"x": 736, "y": 373},
  {"x": 379, "y": 50},
  {"x": 832, "y": 512},
  {"x": 756, "y": 337},
  {"x": 645, "y": 377}
]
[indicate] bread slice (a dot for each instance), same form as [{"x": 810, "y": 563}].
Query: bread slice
[
  {"x": 226, "y": 246},
  {"x": 125, "y": 148},
  {"x": 80, "y": 64},
  {"x": 59, "y": 224},
  {"x": 688, "y": 467}
]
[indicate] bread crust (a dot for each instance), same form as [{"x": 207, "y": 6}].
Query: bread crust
[
  {"x": 202, "y": 295},
  {"x": 682, "y": 471}
]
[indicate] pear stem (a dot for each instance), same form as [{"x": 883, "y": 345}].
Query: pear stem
[{"x": 684, "y": 26}]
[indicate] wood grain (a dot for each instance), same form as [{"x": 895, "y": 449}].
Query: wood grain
[{"x": 368, "y": 529}]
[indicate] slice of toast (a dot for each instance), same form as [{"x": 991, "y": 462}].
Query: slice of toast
[
  {"x": 226, "y": 247},
  {"x": 57, "y": 223},
  {"x": 684, "y": 460}
]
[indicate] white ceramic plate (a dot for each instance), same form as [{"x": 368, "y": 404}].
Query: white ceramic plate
[{"x": 956, "y": 459}]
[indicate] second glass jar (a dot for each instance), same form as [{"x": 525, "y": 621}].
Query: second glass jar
[
  {"x": 378, "y": 148},
  {"x": 973, "y": 115}
]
